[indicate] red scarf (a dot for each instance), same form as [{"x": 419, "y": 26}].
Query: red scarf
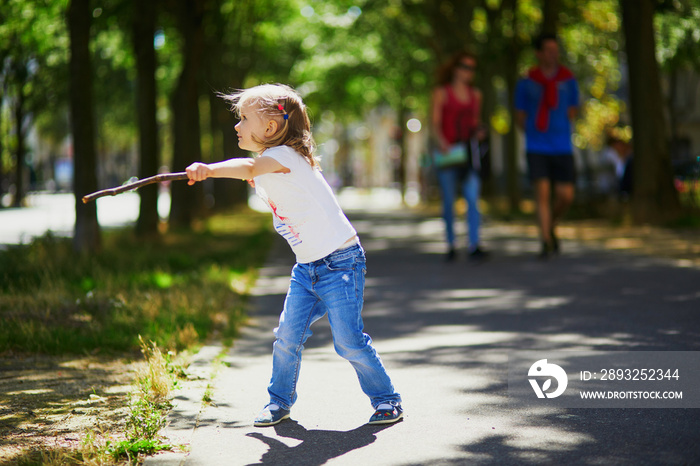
[{"x": 550, "y": 94}]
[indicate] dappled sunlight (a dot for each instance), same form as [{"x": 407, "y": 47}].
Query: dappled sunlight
[
  {"x": 431, "y": 247},
  {"x": 446, "y": 333},
  {"x": 56, "y": 212},
  {"x": 483, "y": 301},
  {"x": 466, "y": 293},
  {"x": 369, "y": 200},
  {"x": 444, "y": 330},
  {"x": 623, "y": 243},
  {"x": 547, "y": 303},
  {"x": 578, "y": 342},
  {"x": 545, "y": 439},
  {"x": 118, "y": 389},
  {"x": 503, "y": 300},
  {"x": 60, "y": 399},
  {"x": 38, "y": 391},
  {"x": 678, "y": 245},
  {"x": 376, "y": 244},
  {"x": 473, "y": 400},
  {"x": 686, "y": 263},
  {"x": 431, "y": 337},
  {"x": 271, "y": 285},
  {"x": 684, "y": 297},
  {"x": 393, "y": 231}
]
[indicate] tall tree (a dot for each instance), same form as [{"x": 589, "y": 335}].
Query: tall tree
[
  {"x": 187, "y": 200},
  {"x": 21, "y": 72},
  {"x": 510, "y": 68},
  {"x": 87, "y": 229},
  {"x": 550, "y": 16},
  {"x": 678, "y": 43},
  {"x": 230, "y": 39},
  {"x": 32, "y": 67},
  {"x": 144, "y": 21},
  {"x": 654, "y": 197}
]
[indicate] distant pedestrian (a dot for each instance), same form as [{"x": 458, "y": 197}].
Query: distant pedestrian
[
  {"x": 622, "y": 157},
  {"x": 546, "y": 103},
  {"x": 329, "y": 276},
  {"x": 456, "y": 125}
]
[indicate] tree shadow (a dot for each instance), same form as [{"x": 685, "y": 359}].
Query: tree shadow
[
  {"x": 317, "y": 446},
  {"x": 51, "y": 401},
  {"x": 459, "y": 317}
]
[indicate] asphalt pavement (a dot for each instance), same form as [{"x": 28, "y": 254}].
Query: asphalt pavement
[
  {"x": 55, "y": 212},
  {"x": 445, "y": 332}
]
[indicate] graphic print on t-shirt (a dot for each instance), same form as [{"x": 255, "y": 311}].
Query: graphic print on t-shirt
[{"x": 285, "y": 230}]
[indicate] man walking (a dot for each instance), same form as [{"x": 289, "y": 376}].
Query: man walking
[{"x": 546, "y": 102}]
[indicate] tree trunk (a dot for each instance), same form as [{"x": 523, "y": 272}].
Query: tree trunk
[
  {"x": 87, "y": 231},
  {"x": 511, "y": 72},
  {"x": 187, "y": 201},
  {"x": 237, "y": 192},
  {"x": 143, "y": 30},
  {"x": 227, "y": 193},
  {"x": 672, "y": 115},
  {"x": 654, "y": 198},
  {"x": 491, "y": 63},
  {"x": 2, "y": 150},
  {"x": 229, "y": 57},
  {"x": 20, "y": 151},
  {"x": 550, "y": 17},
  {"x": 402, "y": 168}
]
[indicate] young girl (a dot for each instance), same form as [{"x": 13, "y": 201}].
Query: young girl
[{"x": 329, "y": 276}]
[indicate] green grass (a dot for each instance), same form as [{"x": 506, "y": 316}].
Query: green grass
[
  {"x": 149, "y": 406},
  {"x": 175, "y": 291},
  {"x": 132, "y": 449}
]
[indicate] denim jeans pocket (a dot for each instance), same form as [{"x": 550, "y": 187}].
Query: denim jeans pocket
[{"x": 342, "y": 263}]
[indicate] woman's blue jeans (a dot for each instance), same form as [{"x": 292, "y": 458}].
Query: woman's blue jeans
[
  {"x": 470, "y": 188},
  {"x": 335, "y": 286}
]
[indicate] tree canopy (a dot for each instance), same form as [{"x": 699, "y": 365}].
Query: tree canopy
[{"x": 346, "y": 58}]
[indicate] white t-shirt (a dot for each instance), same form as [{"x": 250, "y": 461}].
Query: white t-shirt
[{"x": 304, "y": 209}]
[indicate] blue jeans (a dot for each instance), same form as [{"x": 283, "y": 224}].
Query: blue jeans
[
  {"x": 470, "y": 188},
  {"x": 335, "y": 286}
]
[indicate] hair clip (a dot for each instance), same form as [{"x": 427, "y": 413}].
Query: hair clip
[{"x": 281, "y": 109}]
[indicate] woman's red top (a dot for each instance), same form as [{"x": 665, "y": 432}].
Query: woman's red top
[{"x": 459, "y": 118}]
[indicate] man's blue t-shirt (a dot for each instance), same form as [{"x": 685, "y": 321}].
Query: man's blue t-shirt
[{"x": 556, "y": 140}]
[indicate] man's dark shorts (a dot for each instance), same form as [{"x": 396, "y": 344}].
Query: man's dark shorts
[{"x": 557, "y": 168}]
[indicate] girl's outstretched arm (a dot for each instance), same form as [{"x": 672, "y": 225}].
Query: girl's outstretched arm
[{"x": 242, "y": 169}]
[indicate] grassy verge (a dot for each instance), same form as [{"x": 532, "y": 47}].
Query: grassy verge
[
  {"x": 174, "y": 292},
  {"x": 148, "y": 405}
]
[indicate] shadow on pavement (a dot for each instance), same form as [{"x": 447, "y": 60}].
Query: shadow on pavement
[
  {"x": 317, "y": 446},
  {"x": 463, "y": 319}
]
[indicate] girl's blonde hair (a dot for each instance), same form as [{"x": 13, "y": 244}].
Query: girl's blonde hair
[{"x": 284, "y": 105}]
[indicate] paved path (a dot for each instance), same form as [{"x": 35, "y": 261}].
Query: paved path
[
  {"x": 56, "y": 213},
  {"x": 444, "y": 332}
]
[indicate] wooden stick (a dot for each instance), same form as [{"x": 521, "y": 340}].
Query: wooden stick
[{"x": 135, "y": 185}]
